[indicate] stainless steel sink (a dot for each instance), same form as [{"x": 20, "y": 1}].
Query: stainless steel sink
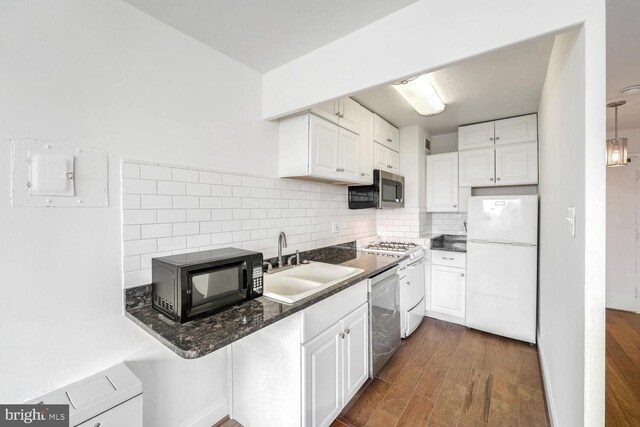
[{"x": 294, "y": 284}]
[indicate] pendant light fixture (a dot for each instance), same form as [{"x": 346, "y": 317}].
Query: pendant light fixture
[{"x": 617, "y": 147}]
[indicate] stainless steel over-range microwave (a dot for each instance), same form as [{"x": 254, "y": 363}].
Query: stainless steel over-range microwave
[
  {"x": 192, "y": 285},
  {"x": 387, "y": 191}
]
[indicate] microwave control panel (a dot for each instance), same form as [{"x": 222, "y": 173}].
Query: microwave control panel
[{"x": 257, "y": 280}]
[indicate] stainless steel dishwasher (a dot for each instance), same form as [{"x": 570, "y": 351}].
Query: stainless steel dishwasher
[{"x": 384, "y": 318}]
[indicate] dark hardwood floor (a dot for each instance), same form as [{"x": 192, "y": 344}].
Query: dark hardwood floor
[
  {"x": 622, "y": 393},
  {"x": 447, "y": 375}
]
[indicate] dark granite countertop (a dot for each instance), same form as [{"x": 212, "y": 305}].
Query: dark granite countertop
[
  {"x": 450, "y": 242},
  {"x": 200, "y": 337}
]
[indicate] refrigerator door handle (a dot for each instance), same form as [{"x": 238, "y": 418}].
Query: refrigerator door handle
[{"x": 501, "y": 243}]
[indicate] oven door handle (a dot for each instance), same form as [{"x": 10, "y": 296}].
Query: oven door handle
[{"x": 245, "y": 277}]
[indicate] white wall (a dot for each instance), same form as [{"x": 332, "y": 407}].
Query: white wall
[
  {"x": 100, "y": 73},
  {"x": 426, "y": 35},
  {"x": 445, "y": 143},
  {"x": 569, "y": 337},
  {"x": 622, "y": 199}
]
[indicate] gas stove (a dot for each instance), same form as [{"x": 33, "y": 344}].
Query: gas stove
[{"x": 397, "y": 249}]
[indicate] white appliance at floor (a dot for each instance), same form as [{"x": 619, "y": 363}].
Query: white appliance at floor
[
  {"x": 412, "y": 281},
  {"x": 502, "y": 264}
]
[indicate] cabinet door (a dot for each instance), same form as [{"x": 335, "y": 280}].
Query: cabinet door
[
  {"x": 516, "y": 130},
  {"x": 349, "y": 144},
  {"x": 394, "y": 162},
  {"x": 356, "y": 351},
  {"x": 328, "y": 110},
  {"x": 394, "y": 138},
  {"x": 442, "y": 182},
  {"x": 380, "y": 157},
  {"x": 517, "y": 164},
  {"x": 322, "y": 377},
  {"x": 476, "y": 168},
  {"x": 448, "y": 290},
  {"x": 349, "y": 114},
  {"x": 365, "y": 157},
  {"x": 323, "y": 148},
  {"x": 128, "y": 414},
  {"x": 475, "y": 136},
  {"x": 380, "y": 130}
]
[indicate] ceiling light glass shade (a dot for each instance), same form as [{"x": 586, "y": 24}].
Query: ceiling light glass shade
[
  {"x": 617, "y": 152},
  {"x": 421, "y": 95}
]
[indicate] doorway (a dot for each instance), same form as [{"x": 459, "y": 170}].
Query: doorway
[{"x": 623, "y": 235}]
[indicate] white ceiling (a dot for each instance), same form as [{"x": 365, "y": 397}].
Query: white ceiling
[
  {"x": 266, "y": 34},
  {"x": 623, "y": 60},
  {"x": 503, "y": 83}
]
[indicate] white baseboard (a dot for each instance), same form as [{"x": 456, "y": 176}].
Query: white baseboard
[
  {"x": 547, "y": 384},
  {"x": 209, "y": 415},
  {"x": 445, "y": 317}
]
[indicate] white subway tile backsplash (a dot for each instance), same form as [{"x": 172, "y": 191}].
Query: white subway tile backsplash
[
  {"x": 191, "y": 210},
  {"x": 185, "y": 175},
  {"x": 172, "y": 188},
  {"x": 186, "y": 228},
  {"x": 156, "y": 202},
  {"x": 198, "y": 189},
  {"x": 199, "y": 214},
  {"x": 172, "y": 215},
  {"x": 172, "y": 243},
  {"x": 151, "y": 231},
  {"x": 155, "y": 172},
  {"x": 186, "y": 202},
  {"x": 138, "y": 216},
  {"x": 138, "y": 186},
  {"x": 210, "y": 177}
]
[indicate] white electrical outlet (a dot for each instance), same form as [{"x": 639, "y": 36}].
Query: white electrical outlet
[{"x": 335, "y": 227}]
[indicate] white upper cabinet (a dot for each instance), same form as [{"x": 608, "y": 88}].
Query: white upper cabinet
[
  {"x": 385, "y": 134},
  {"x": 394, "y": 162},
  {"x": 476, "y": 167},
  {"x": 517, "y": 164},
  {"x": 324, "y": 147},
  {"x": 348, "y": 156},
  {"x": 511, "y": 158},
  {"x": 517, "y": 130},
  {"x": 350, "y": 114},
  {"x": 476, "y": 136},
  {"x": 386, "y": 159},
  {"x": 442, "y": 182},
  {"x": 345, "y": 112}
]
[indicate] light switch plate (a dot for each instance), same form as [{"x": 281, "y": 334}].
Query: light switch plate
[
  {"x": 45, "y": 173},
  {"x": 571, "y": 221}
]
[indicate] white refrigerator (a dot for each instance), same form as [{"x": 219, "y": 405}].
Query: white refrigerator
[{"x": 502, "y": 265}]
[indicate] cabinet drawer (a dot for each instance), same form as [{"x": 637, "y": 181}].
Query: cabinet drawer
[
  {"x": 320, "y": 316},
  {"x": 449, "y": 259},
  {"x": 127, "y": 414}
]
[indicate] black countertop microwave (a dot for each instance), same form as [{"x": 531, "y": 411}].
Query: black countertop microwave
[
  {"x": 197, "y": 284},
  {"x": 387, "y": 191}
]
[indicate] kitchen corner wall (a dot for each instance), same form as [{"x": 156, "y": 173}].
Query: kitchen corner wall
[
  {"x": 413, "y": 223},
  {"x": 175, "y": 209}
]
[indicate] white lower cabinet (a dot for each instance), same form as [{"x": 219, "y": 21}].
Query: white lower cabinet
[
  {"x": 303, "y": 370},
  {"x": 335, "y": 366},
  {"x": 447, "y": 288}
]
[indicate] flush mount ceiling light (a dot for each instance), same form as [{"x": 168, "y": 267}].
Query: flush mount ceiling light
[
  {"x": 630, "y": 90},
  {"x": 421, "y": 95},
  {"x": 617, "y": 147}
]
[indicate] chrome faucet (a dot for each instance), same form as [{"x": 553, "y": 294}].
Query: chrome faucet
[{"x": 282, "y": 243}]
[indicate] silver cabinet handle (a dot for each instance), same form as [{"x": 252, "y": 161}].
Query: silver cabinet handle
[
  {"x": 462, "y": 274},
  {"x": 362, "y": 174},
  {"x": 455, "y": 206},
  {"x": 347, "y": 331},
  {"x": 338, "y": 114},
  {"x": 490, "y": 179},
  {"x": 497, "y": 138},
  {"x": 490, "y": 139},
  {"x": 497, "y": 179},
  {"x": 97, "y": 425},
  {"x": 450, "y": 259},
  {"x": 337, "y": 169},
  {"x": 342, "y": 335},
  {"x": 408, "y": 283}
]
